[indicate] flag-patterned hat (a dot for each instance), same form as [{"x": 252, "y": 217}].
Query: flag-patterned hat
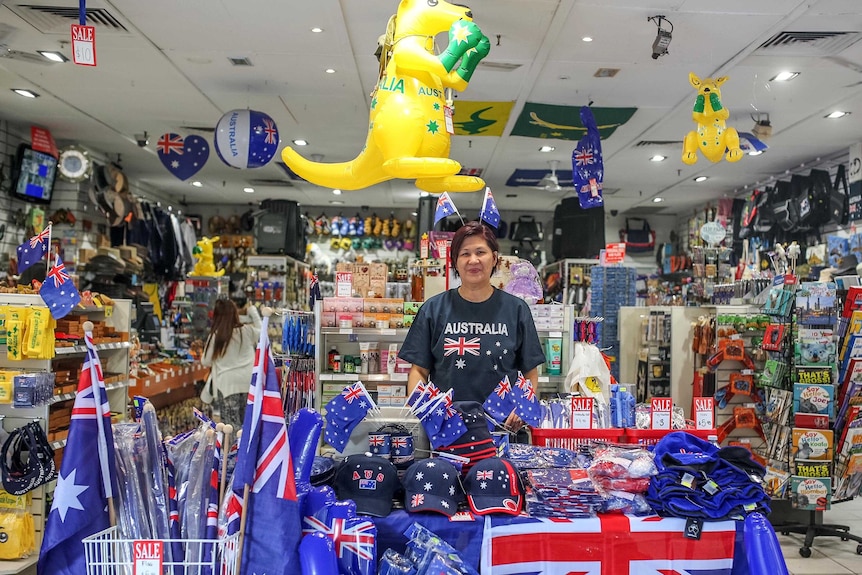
[
  {"x": 494, "y": 486},
  {"x": 433, "y": 485}
]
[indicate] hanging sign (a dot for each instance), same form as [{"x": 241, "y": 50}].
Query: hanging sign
[
  {"x": 84, "y": 45},
  {"x": 582, "y": 413},
  {"x": 148, "y": 556},
  {"x": 704, "y": 413},
  {"x": 660, "y": 412}
]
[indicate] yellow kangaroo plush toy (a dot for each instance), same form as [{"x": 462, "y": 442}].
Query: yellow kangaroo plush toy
[
  {"x": 203, "y": 252},
  {"x": 713, "y": 137},
  {"x": 407, "y": 129}
]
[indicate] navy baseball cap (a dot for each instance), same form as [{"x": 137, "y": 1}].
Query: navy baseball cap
[
  {"x": 494, "y": 486},
  {"x": 433, "y": 485},
  {"x": 370, "y": 481}
]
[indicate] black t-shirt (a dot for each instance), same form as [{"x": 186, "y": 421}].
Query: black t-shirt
[{"x": 471, "y": 346}]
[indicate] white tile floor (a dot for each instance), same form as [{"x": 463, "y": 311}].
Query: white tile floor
[{"x": 829, "y": 555}]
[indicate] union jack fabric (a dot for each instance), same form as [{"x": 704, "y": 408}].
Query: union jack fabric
[
  {"x": 584, "y": 157},
  {"x": 631, "y": 546},
  {"x": 461, "y": 346},
  {"x": 355, "y": 539},
  {"x": 170, "y": 144}
]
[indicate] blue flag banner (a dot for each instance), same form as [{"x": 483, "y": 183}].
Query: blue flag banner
[
  {"x": 489, "y": 213},
  {"x": 264, "y": 465},
  {"x": 501, "y": 402},
  {"x": 33, "y": 250},
  {"x": 445, "y": 207},
  {"x": 58, "y": 292},
  {"x": 344, "y": 412},
  {"x": 526, "y": 402},
  {"x": 87, "y": 475}
]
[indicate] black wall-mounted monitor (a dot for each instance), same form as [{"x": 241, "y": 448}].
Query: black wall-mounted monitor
[{"x": 33, "y": 175}]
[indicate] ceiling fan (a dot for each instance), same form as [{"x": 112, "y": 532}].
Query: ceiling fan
[
  {"x": 550, "y": 182},
  {"x": 6, "y": 33}
]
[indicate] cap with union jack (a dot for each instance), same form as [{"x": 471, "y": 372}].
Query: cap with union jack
[
  {"x": 370, "y": 481},
  {"x": 433, "y": 485},
  {"x": 494, "y": 486}
]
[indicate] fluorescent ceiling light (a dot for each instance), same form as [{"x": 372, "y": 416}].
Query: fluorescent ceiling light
[
  {"x": 53, "y": 56},
  {"x": 317, "y": 30},
  {"x": 336, "y": 192},
  {"x": 197, "y": 184},
  {"x": 248, "y": 190},
  {"x": 300, "y": 142},
  {"x": 330, "y": 70},
  {"x": 547, "y": 149},
  {"x": 336, "y": 202},
  {"x": 784, "y": 76},
  {"x": 755, "y": 152},
  {"x": 657, "y": 200},
  {"x": 837, "y": 114},
  {"x": 25, "y": 93},
  {"x": 587, "y": 39},
  {"x": 701, "y": 179},
  {"x": 658, "y": 158}
]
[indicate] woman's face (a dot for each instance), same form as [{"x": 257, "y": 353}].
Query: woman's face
[{"x": 475, "y": 261}]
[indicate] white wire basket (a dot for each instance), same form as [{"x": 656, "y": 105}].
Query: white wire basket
[{"x": 107, "y": 554}]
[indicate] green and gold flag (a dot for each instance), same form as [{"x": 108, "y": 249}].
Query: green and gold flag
[{"x": 564, "y": 122}]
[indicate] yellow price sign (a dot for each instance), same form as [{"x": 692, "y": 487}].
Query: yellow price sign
[{"x": 109, "y": 310}]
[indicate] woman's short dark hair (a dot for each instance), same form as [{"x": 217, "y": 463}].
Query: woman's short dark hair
[{"x": 474, "y": 228}]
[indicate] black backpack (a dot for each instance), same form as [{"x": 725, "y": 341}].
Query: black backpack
[
  {"x": 839, "y": 198},
  {"x": 819, "y": 193}
]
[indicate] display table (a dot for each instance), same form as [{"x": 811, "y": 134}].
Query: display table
[{"x": 608, "y": 544}]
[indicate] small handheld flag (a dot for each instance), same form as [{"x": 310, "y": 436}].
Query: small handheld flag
[
  {"x": 445, "y": 207},
  {"x": 489, "y": 213}
]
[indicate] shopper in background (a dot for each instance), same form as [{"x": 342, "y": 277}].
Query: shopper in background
[
  {"x": 470, "y": 337},
  {"x": 229, "y": 350}
]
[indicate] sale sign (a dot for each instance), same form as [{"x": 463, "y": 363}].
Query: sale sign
[
  {"x": 615, "y": 253},
  {"x": 704, "y": 413},
  {"x": 84, "y": 45},
  {"x": 660, "y": 412},
  {"x": 147, "y": 555},
  {"x": 343, "y": 284},
  {"x": 582, "y": 413}
]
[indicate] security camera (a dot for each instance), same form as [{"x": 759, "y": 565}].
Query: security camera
[
  {"x": 614, "y": 213},
  {"x": 142, "y": 139},
  {"x": 662, "y": 38}
]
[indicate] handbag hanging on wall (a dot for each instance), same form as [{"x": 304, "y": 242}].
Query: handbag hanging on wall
[{"x": 638, "y": 236}]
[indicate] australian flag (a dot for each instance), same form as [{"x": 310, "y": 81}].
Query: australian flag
[
  {"x": 445, "y": 207},
  {"x": 444, "y": 423},
  {"x": 501, "y": 402},
  {"x": 344, "y": 412},
  {"x": 526, "y": 402},
  {"x": 489, "y": 213},
  {"x": 58, "y": 292},
  {"x": 87, "y": 476},
  {"x": 33, "y": 250},
  {"x": 264, "y": 467}
]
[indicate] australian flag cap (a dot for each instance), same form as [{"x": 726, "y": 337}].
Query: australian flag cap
[
  {"x": 494, "y": 486},
  {"x": 370, "y": 481},
  {"x": 433, "y": 485}
]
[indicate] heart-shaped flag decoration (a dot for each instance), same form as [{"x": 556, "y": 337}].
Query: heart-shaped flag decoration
[{"x": 183, "y": 157}]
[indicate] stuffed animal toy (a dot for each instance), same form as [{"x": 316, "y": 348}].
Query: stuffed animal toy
[
  {"x": 407, "y": 135},
  {"x": 712, "y": 137},
  {"x": 203, "y": 253},
  {"x": 525, "y": 282}
]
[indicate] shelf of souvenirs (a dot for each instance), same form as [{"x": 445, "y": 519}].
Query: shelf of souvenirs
[
  {"x": 61, "y": 349},
  {"x": 63, "y": 393},
  {"x": 166, "y": 378}
]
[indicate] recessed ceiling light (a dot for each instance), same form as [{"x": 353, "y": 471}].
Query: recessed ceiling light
[
  {"x": 317, "y": 30},
  {"x": 424, "y": 194},
  {"x": 755, "y": 152},
  {"x": 300, "y": 142},
  {"x": 248, "y": 190},
  {"x": 657, "y": 200},
  {"x": 784, "y": 76},
  {"x": 336, "y": 202},
  {"x": 837, "y": 114},
  {"x": 587, "y": 39},
  {"x": 336, "y": 192},
  {"x": 197, "y": 184},
  {"x": 53, "y": 55},
  {"x": 658, "y": 158},
  {"x": 547, "y": 149},
  {"x": 330, "y": 70},
  {"x": 25, "y": 93},
  {"x": 701, "y": 179}
]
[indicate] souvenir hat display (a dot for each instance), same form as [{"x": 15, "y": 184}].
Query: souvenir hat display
[
  {"x": 494, "y": 486},
  {"x": 433, "y": 485},
  {"x": 370, "y": 481},
  {"x": 27, "y": 460}
]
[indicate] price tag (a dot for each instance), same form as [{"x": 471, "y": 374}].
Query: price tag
[
  {"x": 148, "y": 557},
  {"x": 109, "y": 310},
  {"x": 582, "y": 413},
  {"x": 704, "y": 413},
  {"x": 615, "y": 253},
  {"x": 84, "y": 45},
  {"x": 448, "y": 112},
  {"x": 660, "y": 412},
  {"x": 343, "y": 284}
]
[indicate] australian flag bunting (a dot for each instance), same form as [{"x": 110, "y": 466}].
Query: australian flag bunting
[
  {"x": 87, "y": 476},
  {"x": 58, "y": 292},
  {"x": 264, "y": 466},
  {"x": 33, "y": 250},
  {"x": 489, "y": 213}
]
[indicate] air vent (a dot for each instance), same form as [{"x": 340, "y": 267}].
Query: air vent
[
  {"x": 499, "y": 66},
  {"x": 55, "y": 19},
  {"x": 814, "y": 44},
  {"x": 644, "y": 143},
  {"x": 272, "y": 183},
  {"x": 606, "y": 72},
  {"x": 197, "y": 128},
  {"x": 240, "y": 62}
]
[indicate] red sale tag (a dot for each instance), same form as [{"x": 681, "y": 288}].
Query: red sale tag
[
  {"x": 148, "y": 556},
  {"x": 615, "y": 253},
  {"x": 84, "y": 45},
  {"x": 343, "y": 284},
  {"x": 704, "y": 413},
  {"x": 582, "y": 413},
  {"x": 660, "y": 413}
]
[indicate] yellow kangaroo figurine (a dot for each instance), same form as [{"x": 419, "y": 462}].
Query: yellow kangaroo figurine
[
  {"x": 713, "y": 136},
  {"x": 407, "y": 131},
  {"x": 203, "y": 253}
]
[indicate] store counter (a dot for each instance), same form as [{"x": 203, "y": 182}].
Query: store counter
[{"x": 607, "y": 544}]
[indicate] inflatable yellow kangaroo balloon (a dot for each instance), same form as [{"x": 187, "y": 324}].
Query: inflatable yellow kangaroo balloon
[
  {"x": 407, "y": 131},
  {"x": 203, "y": 253},
  {"x": 713, "y": 137}
]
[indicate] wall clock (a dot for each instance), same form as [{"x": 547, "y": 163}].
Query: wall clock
[{"x": 75, "y": 165}]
